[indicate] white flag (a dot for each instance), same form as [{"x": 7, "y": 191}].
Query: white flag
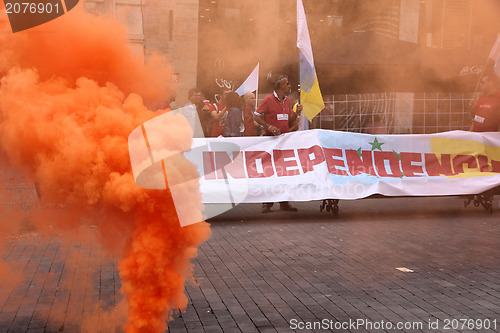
[{"x": 251, "y": 83}]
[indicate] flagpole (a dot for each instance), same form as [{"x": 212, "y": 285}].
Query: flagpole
[
  {"x": 298, "y": 85},
  {"x": 481, "y": 75},
  {"x": 297, "y": 27},
  {"x": 475, "y": 98},
  {"x": 257, "y": 88},
  {"x": 493, "y": 52}
]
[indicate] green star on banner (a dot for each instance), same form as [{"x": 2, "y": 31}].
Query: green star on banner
[{"x": 376, "y": 145}]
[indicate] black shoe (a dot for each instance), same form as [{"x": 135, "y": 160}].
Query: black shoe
[
  {"x": 287, "y": 207},
  {"x": 266, "y": 209}
]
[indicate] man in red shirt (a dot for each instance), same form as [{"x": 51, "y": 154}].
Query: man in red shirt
[
  {"x": 487, "y": 108},
  {"x": 276, "y": 116},
  {"x": 275, "y": 112}
]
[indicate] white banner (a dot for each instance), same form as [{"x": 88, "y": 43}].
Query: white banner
[{"x": 322, "y": 164}]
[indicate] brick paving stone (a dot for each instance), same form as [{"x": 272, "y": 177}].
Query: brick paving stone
[
  {"x": 257, "y": 275},
  {"x": 177, "y": 329}
]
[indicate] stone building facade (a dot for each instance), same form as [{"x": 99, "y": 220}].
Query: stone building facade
[
  {"x": 210, "y": 43},
  {"x": 166, "y": 27}
]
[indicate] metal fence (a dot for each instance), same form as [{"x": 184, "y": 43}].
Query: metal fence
[
  {"x": 441, "y": 112},
  {"x": 396, "y": 113}
]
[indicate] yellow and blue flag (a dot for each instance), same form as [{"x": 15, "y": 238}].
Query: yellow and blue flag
[{"x": 310, "y": 95}]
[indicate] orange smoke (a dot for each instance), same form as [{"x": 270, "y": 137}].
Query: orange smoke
[
  {"x": 70, "y": 94},
  {"x": 81, "y": 45}
]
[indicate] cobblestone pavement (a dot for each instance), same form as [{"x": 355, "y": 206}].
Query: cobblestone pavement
[{"x": 283, "y": 271}]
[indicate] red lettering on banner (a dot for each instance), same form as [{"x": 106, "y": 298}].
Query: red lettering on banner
[
  {"x": 380, "y": 157},
  {"x": 460, "y": 160},
  {"x": 495, "y": 166},
  {"x": 285, "y": 162},
  {"x": 410, "y": 169},
  {"x": 483, "y": 163},
  {"x": 251, "y": 158},
  {"x": 484, "y": 166},
  {"x": 358, "y": 165},
  {"x": 335, "y": 163},
  {"x": 282, "y": 166},
  {"x": 436, "y": 168},
  {"x": 226, "y": 167},
  {"x": 208, "y": 165},
  {"x": 305, "y": 159}
]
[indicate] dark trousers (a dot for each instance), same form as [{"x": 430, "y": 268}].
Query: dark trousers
[{"x": 270, "y": 204}]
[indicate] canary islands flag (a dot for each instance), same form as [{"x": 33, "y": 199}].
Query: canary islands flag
[{"x": 310, "y": 95}]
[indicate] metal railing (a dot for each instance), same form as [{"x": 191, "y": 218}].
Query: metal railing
[
  {"x": 441, "y": 112},
  {"x": 393, "y": 113}
]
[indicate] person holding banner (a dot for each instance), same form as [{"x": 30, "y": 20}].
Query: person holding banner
[
  {"x": 276, "y": 116},
  {"x": 275, "y": 113},
  {"x": 192, "y": 110},
  {"x": 204, "y": 116},
  {"x": 207, "y": 112},
  {"x": 250, "y": 124},
  {"x": 219, "y": 113},
  {"x": 486, "y": 111}
]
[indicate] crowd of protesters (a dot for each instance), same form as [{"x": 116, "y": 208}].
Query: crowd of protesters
[
  {"x": 233, "y": 115},
  {"x": 279, "y": 112},
  {"x": 236, "y": 116}
]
